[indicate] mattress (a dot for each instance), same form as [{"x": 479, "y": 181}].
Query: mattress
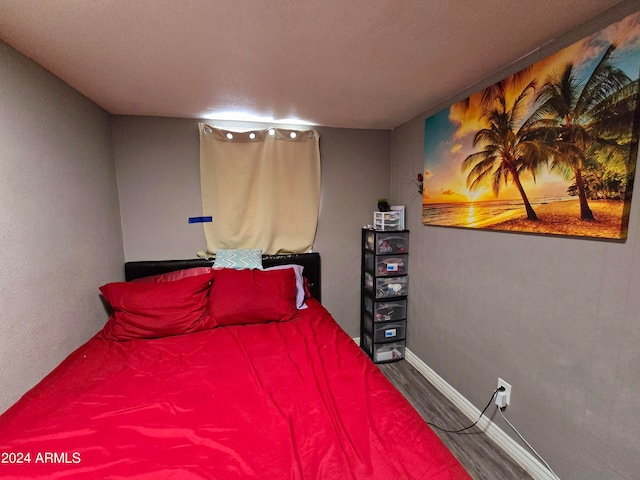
[{"x": 282, "y": 400}]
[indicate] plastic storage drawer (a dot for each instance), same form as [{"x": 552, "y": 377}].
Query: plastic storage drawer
[
  {"x": 388, "y": 352},
  {"x": 388, "y": 332},
  {"x": 392, "y": 243},
  {"x": 386, "y": 242},
  {"x": 388, "y": 311},
  {"x": 384, "y": 331},
  {"x": 388, "y": 265},
  {"x": 386, "y": 287}
]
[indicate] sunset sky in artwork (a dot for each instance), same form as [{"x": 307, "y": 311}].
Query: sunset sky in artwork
[{"x": 449, "y": 133}]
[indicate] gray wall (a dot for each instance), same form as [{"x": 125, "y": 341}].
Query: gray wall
[
  {"x": 558, "y": 318},
  {"x": 60, "y": 235},
  {"x": 157, "y": 164}
]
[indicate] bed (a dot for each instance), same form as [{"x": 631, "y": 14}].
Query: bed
[{"x": 288, "y": 399}]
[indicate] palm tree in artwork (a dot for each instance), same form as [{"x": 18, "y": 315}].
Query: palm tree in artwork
[
  {"x": 507, "y": 150},
  {"x": 499, "y": 89},
  {"x": 587, "y": 120}
]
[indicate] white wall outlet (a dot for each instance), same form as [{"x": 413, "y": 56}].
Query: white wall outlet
[{"x": 507, "y": 389}]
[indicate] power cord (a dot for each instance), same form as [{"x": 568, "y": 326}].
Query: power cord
[
  {"x": 528, "y": 444},
  {"x": 499, "y": 389}
]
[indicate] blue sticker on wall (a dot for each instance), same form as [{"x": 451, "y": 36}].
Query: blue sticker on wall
[{"x": 200, "y": 219}]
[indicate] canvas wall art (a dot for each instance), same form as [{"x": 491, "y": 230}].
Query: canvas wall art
[{"x": 551, "y": 149}]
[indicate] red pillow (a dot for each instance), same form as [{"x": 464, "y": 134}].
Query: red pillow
[
  {"x": 176, "y": 275},
  {"x": 158, "y": 309},
  {"x": 252, "y": 296}
]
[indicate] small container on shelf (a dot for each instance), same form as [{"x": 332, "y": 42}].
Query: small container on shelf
[
  {"x": 391, "y": 220},
  {"x": 386, "y": 221}
]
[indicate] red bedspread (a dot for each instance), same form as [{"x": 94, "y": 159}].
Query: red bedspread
[{"x": 286, "y": 400}]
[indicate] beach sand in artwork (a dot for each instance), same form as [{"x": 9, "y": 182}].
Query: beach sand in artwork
[{"x": 563, "y": 218}]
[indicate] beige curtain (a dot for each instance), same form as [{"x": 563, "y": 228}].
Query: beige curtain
[{"x": 261, "y": 187}]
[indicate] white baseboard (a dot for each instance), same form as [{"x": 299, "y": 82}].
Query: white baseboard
[{"x": 522, "y": 456}]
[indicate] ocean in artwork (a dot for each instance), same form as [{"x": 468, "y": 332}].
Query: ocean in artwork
[{"x": 479, "y": 214}]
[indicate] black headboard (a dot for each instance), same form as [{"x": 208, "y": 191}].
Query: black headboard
[{"x": 310, "y": 262}]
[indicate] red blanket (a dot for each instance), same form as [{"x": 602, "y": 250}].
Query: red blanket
[{"x": 287, "y": 400}]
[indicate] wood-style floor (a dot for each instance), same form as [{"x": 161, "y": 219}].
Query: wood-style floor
[{"x": 479, "y": 455}]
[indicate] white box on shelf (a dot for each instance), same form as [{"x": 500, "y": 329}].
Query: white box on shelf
[{"x": 391, "y": 220}]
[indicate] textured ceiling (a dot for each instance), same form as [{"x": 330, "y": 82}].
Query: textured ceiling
[{"x": 356, "y": 64}]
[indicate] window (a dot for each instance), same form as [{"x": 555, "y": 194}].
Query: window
[{"x": 262, "y": 188}]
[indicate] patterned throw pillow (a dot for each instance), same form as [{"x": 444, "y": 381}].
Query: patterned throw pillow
[{"x": 238, "y": 259}]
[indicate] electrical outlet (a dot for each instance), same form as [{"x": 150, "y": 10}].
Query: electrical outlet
[{"x": 507, "y": 389}]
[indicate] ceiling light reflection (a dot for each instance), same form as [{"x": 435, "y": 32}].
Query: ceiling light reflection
[{"x": 244, "y": 116}]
